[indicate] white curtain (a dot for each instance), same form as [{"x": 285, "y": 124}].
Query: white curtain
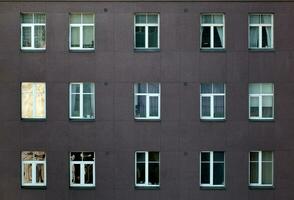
[
  {"x": 254, "y": 40},
  {"x": 269, "y": 36},
  {"x": 221, "y": 35}
]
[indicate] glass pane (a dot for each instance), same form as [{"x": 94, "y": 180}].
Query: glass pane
[
  {"x": 205, "y": 156},
  {"x": 140, "y": 106},
  {"x": 153, "y": 106},
  {"x": 88, "y": 88},
  {"x": 88, "y": 156},
  {"x": 27, "y": 18},
  {"x": 88, "y": 19},
  {"x": 267, "y": 173},
  {"x": 140, "y": 36},
  {"x": 152, "y": 36},
  {"x": 205, "y": 36},
  {"x": 253, "y": 156},
  {"x": 254, "y": 37},
  {"x": 75, "y": 105},
  {"x": 75, "y": 88},
  {"x": 40, "y": 107},
  {"x": 206, "y": 19},
  {"x": 26, "y": 87},
  {"x": 140, "y": 19},
  {"x": 254, "y": 172},
  {"x": 88, "y": 174},
  {"x": 153, "y": 174},
  {"x": 218, "y": 156},
  {"x": 140, "y": 173},
  {"x": 40, "y": 173},
  {"x": 141, "y": 88},
  {"x": 254, "y": 88},
  {"x": 75, "y": 37},
  {"x": 267, "y": 156},
  {"x": 254, "y": 106},
  {"x": 39, "y": 18},
  {"x": 88, "y": 37},
  {"x": 267, "y": 88},
  {"x": 218, "y": 19},
  {"x": 205, "y": 106},
  {"x": 254, "y": 19},
  {"x": 218, "y": 174},
  {"x": 219, "y": 106},
  {"x": 27, "y": 173},
  {"x": 88, "y": 106},
  {"x": 27, "y": 105},
  {"x": 152, "y": 19},
  {"x": 76, "y": 156},
  {"x": 266, "y": 37},
  {"x": 267, "y": 106},
  {"x": 76, "y": 173},
  {"x": 266, "y": 19},
  {"x": 39, "y": 155},
  {"x": 205, "y": 173},
  {"x": 218, "y": 88},
  {"x": 206, "y": 88},
  {"x": 154, "y": 156},
  {"x": 153, "y": 88},
  {"x": 26, "y": 37},
  {"x": 218, "y": 35},
  {"x": 75, "y": 18},
  {"x": 140, "y": 157},
  {"x": 27, "y": 155}
]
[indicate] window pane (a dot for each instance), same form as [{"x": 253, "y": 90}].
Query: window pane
[
  {"x": 140, "y": 36},
  {"x": 75, "y": 18},
  {"x": 219, "y": 106},
  {"x": 218, "y": 173},
  {"x": 254, "y": 106},
  {"x": 152, "y": 19},
  {"x": 267, "y": 173},
  {"x": 88, "y": 174},
  {"x": 266, "y": 37},
  {"x": 27, "y": 18},
  {"x": 218, "y": 156},
  {"x": 140, "y": 173},
  {"x": 154, "y": 156},
  {"x": 267, "y": 156},
  {"x": 254, "y": 172},
  {"x": 140, "y": 106},
  {"x": 88, "y": 106},
  {"x": 254, "y": 88},
  {"x": 39, "y": 155},
  {"x": 75, "y": 88},
  {"x": 141, "y": 88},
  {"x": 27, "y": 155},
  {"x": 140, "y": 157},
  {"x": 40, "y": 173},
  {"x": 253, "y": 156},
  {"x": 254, "y": 37},
  {"x": 27, "y": 105},
  {"x": 40, "y": 40},
  {"x": 153, "y": 37},
  {"x": 153, "y": 88},
  {"x": 267, "y": 88},
  {"x": 205, "y": 173},
  {"x": 27, "y": 173},
  {"x": 76, "y": 174},
  {"x": 140, "y": 19},
  {"x": 254, "y": 19},
  {"x": 206, "y": 88},
  {"x": 218, "y": 88},
  {"x": 88, "y": 37},
  {"x": 75, "y": 105},
  {"x": 88, "y": 88},
  {"x": 88, "y": 19},
  {"x": 39, "y": 18},
  {"x": 40, "y": 106},
  {"x": 205, "y": 106},
  {"x": 206, "y": 19},
  {"x": 76, "y": 156},
  {"x": 153, "y": 106},
  {"x": 218, "y": 36},
  {"x": 88, "y": 156},
  {"x": 75, "y": 36},
  {"x": 218, "y": 19},
  {"x": 205, "y": 156},
  {"x": 267, "y": 106},
  {"x": 26, "y": 37},
  {"x": 266, "y": 19},
  {"x": 205, "y": 36},
  {"x": 153, "y": 174}
]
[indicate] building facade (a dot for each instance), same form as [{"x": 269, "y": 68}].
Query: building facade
[{"x": 158, "y": 100}]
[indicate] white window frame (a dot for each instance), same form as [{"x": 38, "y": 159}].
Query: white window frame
[
  {"x": 147, "y": 95},
  {"x": 34, "y": 100},
  {"x": 81, "y": 84},
  {"x": 260, "y": 96},
  {"x": 146, "y": 169},
  {"x": 34, "y": 165},
  {"x": 211, "y": 96},
  {"x": 32, "y": 26},
  {"x": 260, "y": 169},
  {"x": 147, "y": 25},
  {"x": 82, "y": 171},
  {"x": 211, "y": 162},
  {"x": 212, "y": 31},
  {"x": 81, "y": 26},
  {"x": 259, "y": 25}
]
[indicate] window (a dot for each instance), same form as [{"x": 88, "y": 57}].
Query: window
[
  {"x": 147, "y": 101},
  {"x": 33, "y": 100},
  {"x": 212, "y": 100},
  {"x": 212, "y": 31},
  {"x": 261, "y": 168},
  {"x": 261, "y": 101},
  {"x": 33, "y": 31},
  {"x": 147, "y": 169},
  {"x": 82, "y": 31},
  {"x": 260, "y": 31},
  {"x": 82, "y": 169},
  {"x": 33, "y": 168},
  {"x": 212, "y": 168},
  {"x": 82, "y": 101},
  {"x": 146, "y": 31}
]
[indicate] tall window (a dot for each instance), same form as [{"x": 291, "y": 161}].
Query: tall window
[
  {"x": 146, "y": 31},
  {"x": 82, "y": 169},
  {"x": 33, "y": 31},
  {"x": 82, "y": 101},
  {"x": 261, "y": 168},
  {"x": 212, "y": 169},
  {"x": 33, "y": 100},
  {"x": 261, "y": 101},
  {"x": 212, "y": 100},
  {"x": 33, "y": 168},
  {"x": 147, "y": 101},
  {"x": 147, "y": 169},
  {"x": 260, "y": 31},
  {"x": 82, "y": 31},
  {"x": 212, "y": 31}
]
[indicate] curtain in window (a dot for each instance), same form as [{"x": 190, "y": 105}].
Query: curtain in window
[
  {"x": 254, "y": 39},
  {"x": 153, "y": 109},
  {"x": 40, "y": 37},
  {"x": 152, "y": 37},
  {"x": 140, "y": 36},
  {"x": 26, "y": 37},
  {"x": 88, "y": 37},
  {"x": 254, "y": 106},
  {"x": 219, "y": 106},
  {"x": 206, "y": 106},
  {"x": 218, "y": 36},
  {"x": 27, "y": 173},
  {"x": 267, "y": 106},
  {"x": 269, "y": 36},
  {"x": 205, "y": 36},
  {"x": 40, "y": 173},
  {"x": 88, "y": 107},
  {"x": 88, "y": 174},
  {"x": 75, "y": 105},
  {"x": 140, "y": 106},
  {"x": 75, "y": 36}
]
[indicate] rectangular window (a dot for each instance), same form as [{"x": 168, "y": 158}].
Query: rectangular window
[
  {"x": 147, "y": 101},
  {"x": 82, "y": 169},
  {"x": 261, "y": 101},
  {"x": 82, "y": 101},
  {"x": 212, "y": 168},
  {"x": 261, "y": 31},
  {"x": 212, "y": 31},
  {"x": 261, "y": 168},
  {"x": 33, "y": 100},
  {"x": 33, "y": 31},
  {"x": 147, "y": 169},
  {"x": 212, "y": 101},
  {"x": 146, "y": 31},
  {"x": 82, "y": 31},
  {"x": 33, "y": 168}
]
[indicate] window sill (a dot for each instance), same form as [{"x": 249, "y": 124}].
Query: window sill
[
  {"x": 33, "y": 50},
  {"x": 212, "y": 187},
  {"x": 261, "y": 187},
  {"x": 33, "y": 119},
  {"x": 261, "y": 120},
  {"x": 37, "y": 187},
  {"x": 147, "y": 187},
  {"x": 146, "y": 50},
  {"x": 147, "y": 120},
  {"x": 212, "y": 50},
  {"x": 82, "y": 50},
  {"x": 82, "y": 187},
  {"x": 261, "y": 49},
  {"x": 82, "y": 120},
  {"x": 212, "y": 120}
]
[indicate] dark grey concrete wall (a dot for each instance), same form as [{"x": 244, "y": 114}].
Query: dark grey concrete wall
[{"x": 114, "y": 135}]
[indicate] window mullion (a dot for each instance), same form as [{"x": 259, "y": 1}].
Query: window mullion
[
  {"x": 260, "y": 106},
  {"x": 259, "y": 167},
  {"x": 211, "y": 36},
  {"x": 81, "y": 36},
  {"x": 260, "y": 36},
  {"x": 212, "y": 106},
  {"x": 146, "y": 168},
  {"x": 147, "y": 105},
  {"x": 146, "y": 36},
  {"x": 82, "y": 171},
  {"x": 34, "y": 100},
  {"x": 33, "y": 173},
  {"x": 81, "y": 100},
  {"x": 211, "y": 169}
]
